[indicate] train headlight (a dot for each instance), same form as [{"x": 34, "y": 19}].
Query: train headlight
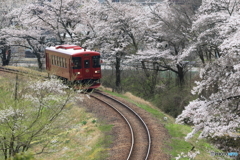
[
  {"x": 98, "y": 71},
  {"x": 77, "y": 73}
]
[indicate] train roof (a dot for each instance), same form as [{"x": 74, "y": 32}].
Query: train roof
[{"x": 69, "y": 49}]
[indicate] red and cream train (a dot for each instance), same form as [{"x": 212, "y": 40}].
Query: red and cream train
[{"x": 74, "y": 64}]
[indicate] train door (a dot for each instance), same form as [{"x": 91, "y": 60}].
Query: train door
[{"x": 86, "y": 67}]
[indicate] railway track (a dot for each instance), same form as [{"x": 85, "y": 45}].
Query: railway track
[
  {"x": 15, "y": 71},
  {"x": 139, "y": 148},
  {"x": 139, "y": 142},
  {"x": 3, "y": 69}
]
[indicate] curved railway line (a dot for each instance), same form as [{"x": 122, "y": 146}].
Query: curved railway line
[
  {"x": 140, "y": 136},
  {"x": 15, "y": 71},
  {"x": 134, "y": 139}
]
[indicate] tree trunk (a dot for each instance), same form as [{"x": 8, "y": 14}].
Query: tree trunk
[
  {"x": 6, "y": 52},
  {"x": 151, "y": 78},
  {"x": 201, "y": 55},
  {"x": 4, "y": 148},
  {"x": 36, "y": 52},
  {"x": 40, "y": 65},
  {"x": 154, "y": 77},
  {"x": 145, "y": 69},
  {"x": 11, "y": 146},
  {"x": 180, "y": 75},
  {"x": 118, "y": 73}
]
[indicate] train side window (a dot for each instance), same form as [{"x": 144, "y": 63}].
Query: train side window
[
  {"x": 76, "y": 62},
  {"x": 65, "y": 63},
  {"x": 61, "y": 62},
  {"x": 55, "y": 60},
  {"x": 86, "y": 64},
  {"x": 58, "y": 61},
  {"x": 52, "y": 59},
  {"x": 96, "y": 61}
]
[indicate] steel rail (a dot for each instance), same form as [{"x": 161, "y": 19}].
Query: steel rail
[
  {"x": 129, "y": 125},
  {"x": 146, "y": 128},
  {"x": 14, "y": 71}
]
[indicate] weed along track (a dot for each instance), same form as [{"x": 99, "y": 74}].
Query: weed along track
[
  {"x": 11, "y": 71},
  {"x": 139, "y": 138},
  {"x": 20, "y": 72}
]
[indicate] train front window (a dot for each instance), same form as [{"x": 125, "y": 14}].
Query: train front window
[
  {"x": 86, "y": 64},
  {"x": 76, "y": 62},
  {"x": 96, "y": 61}
]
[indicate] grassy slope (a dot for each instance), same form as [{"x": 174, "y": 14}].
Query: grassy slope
[
  {"x": 178, "y": 132},
  {"x": 81, "y": 137}
]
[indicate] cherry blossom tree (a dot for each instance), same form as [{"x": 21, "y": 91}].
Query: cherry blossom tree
[
  {"x": 117, "y": 30},
  {"x": 35, "y": 26},
  {"x": 59, "y": 17},
  {"x": 168, "y": 36},
  {"x": 5, "y": 53},
  {"x": 29, "y": 37},
  {"x": 23, "y": 31},
  {"x": 208, "y": 28},
  {"x": 216, "y": 113},
  {"x": 31, "y": 114}
]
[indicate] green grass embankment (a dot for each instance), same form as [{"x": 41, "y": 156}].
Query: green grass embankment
[
  {"x": 83, "y": 137},
  {"x": 177, "y": 144}
]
